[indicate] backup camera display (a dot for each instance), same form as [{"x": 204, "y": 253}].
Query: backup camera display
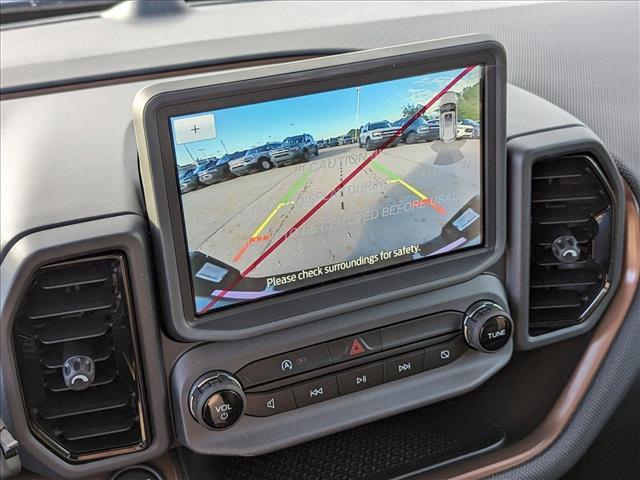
[{"x": 291, "y": 193}]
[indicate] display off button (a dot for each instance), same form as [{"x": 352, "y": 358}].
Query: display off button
[
  {"x": 403, "y": 366},
  {"x": 444, "y": 354},
  {"x": 316, "y": 391},
  {"x": 361, "y": 378},
  {"x": 266, "y": 404}
]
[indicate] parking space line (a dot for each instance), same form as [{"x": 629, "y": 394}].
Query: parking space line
[
  {"x": 268, "y": 219},
  {"x": 395, "y": 178},
  {"x": 284, "y": 201},
  {"x": 297, "y": 185}
]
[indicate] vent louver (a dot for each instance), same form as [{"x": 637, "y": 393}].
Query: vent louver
[
  {"x": 571, "y": 228},
  {"x": 81, "y": 308}
]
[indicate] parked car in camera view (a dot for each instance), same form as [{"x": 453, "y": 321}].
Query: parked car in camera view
[
  {"x": 188, "y": 178},
  {"x": 332, "y": 142},
  {"x": 294, "y": 149},
  {"x": 322, "y": 144},
  {"x": 468, "y": 129},
  {"x": 418, "y": 130},
  {"x": 204, "y": 164},
  {"x": 374, "y": 134},
  {"x": 216, "y": 172},
  {"x": 255, "y": 159}
]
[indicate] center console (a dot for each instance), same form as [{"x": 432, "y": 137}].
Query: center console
[
  {"x": 347, "y": 365},
  {"x": 350, "y": 271},
  {"x": 250, "y": 396}
]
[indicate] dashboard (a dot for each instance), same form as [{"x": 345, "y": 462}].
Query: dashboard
[{"x": 284, "y": 248}]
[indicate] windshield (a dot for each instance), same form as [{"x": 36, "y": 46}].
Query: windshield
[
  {"x": 264, "y": 148},
  {"x": 417, "y": 122},
  {"x": 375, "y": 126},
  {"x": 292, "y": 140},
  {"x": 185, "y": 173}
]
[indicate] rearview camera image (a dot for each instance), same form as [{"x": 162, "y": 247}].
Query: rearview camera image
[{"x": 295, "y": 192}]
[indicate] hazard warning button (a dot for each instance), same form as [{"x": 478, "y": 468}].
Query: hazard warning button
[{"x": 355, "y": 346}]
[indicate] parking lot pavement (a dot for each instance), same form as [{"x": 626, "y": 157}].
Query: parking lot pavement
[{"x": 404, "y": 196}]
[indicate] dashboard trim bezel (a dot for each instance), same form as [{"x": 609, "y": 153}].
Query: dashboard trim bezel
[{"x": 153, "y": 105}]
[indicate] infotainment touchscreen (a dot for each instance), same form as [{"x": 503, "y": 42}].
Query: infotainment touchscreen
[{"x": 291, "y": 193}]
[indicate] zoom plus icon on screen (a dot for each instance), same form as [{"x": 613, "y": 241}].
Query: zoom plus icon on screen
[{"x": 194, "y": 128}]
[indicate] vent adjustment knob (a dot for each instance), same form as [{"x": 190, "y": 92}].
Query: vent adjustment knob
[
  {"x": 78, "y": 372},
  {"x": 217, "y": 400},
  {"x": 566, "y": 249},
  {"x": 487, "y": 326}
]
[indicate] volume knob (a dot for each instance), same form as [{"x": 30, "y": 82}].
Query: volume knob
[
  {"x": 487, "y": 326},
  {"x": 216, "y": 400}
]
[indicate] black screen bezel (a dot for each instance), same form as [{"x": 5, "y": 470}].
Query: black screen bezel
[{"x": 307, "y": 304}]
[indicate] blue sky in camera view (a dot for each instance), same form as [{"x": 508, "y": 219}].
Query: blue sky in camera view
[{"x": 323, "y": 115}]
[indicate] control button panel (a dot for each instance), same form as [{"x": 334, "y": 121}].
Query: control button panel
[
  {"x": 349, "y": 348},
  {"x": 356, "y": 379},
  {"x": 282, "y": 366},
  {"x": 396, "y": 352}
]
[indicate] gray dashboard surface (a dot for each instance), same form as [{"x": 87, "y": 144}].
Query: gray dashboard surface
[
  {"x": 70, "y": 156},
  {"x": 202, "y": 35}
]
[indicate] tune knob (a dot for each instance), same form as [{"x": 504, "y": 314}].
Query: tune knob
[
  {"x": 217, "y": 400},
  {"x": 487, "y": 326}
]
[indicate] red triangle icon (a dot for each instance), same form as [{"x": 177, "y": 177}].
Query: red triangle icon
[{"x": 356, "y": 348}]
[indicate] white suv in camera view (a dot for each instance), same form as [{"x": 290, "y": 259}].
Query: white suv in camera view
[{"x": 375, "y": 134}]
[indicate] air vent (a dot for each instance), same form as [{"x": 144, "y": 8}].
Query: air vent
[
  {"x": 79, "y": 313},
  {"x": 571, "y": 229}
]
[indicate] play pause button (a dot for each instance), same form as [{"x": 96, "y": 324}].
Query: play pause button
[{"x": 360, "y": 378}]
